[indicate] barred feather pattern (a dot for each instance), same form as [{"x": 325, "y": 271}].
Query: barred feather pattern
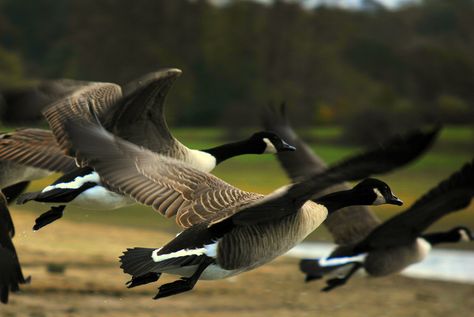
[{"x": 34, "y": 148}]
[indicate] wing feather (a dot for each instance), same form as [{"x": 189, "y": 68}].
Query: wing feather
[
  {"x": 124, "y": 166},
  {"x": 35, "y": 148},
  {"x": 88, "y": 103}
]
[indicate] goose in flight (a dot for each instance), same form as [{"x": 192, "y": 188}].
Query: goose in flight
[
  {"x": 136, "y": 115},
  {"x": 227, "y": 230}
]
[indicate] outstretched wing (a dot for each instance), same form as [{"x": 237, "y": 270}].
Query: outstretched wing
[
  {"x": 452, "y": 194},
  {"x": 168, "y": 185},
  {"x": 35, "y": 148},
  {"x": 139, "y": 116},
  {"x": 90, "y": 103},
  {"x": 348, "y": 225},
  {"x": 376, "y": 161}
]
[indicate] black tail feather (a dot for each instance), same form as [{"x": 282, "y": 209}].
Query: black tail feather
[
  {"x": 14, "y": 191},
  {"x": 137, "y": 261}
]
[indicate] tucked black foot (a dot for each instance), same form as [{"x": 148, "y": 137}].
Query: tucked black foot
[
  {"x": 185, "y": 283},
  {"x": 340, "y": 281},
  {"x": 310, "y": 278},
  {"x": 333, "y": 283},
  {"x": 180, "y": 286},
  {"x": 143, "y": 279},
  {"x": 51, "y": 215}
]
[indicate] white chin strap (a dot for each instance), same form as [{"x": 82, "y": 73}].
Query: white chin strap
[{"x": 270, "y": 148}]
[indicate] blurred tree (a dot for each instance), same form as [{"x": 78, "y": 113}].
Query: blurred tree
[{"x": 330, "y": 63}]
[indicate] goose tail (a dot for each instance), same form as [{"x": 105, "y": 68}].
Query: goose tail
[{"x": 137, "y": 261}]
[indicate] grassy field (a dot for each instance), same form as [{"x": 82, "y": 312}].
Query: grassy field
[
  {"x": 263, "y": 174},
  {"x": 75, "y": 273}
]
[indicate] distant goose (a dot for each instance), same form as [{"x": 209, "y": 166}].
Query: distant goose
[
  {"x": 351, "y": 224},
  {"x": 136, "y": 116},
  {"x": 400, "y": 242},
  {"x": 25, "y": 155},
  {"x": 229, "y": 231}
]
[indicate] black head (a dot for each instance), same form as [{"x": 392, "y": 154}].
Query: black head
[
  {"x": 461, "y": 233},
  {"x": 269, "y": 142},
  {"x": 378, "y": 192}
]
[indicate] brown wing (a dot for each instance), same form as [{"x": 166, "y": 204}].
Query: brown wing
[
  {"x": 168, "y": 185},
  {"x": 89, "y": 103},
  {"x": 139, "y": 117},
  {"x": 35, "y": 148}
]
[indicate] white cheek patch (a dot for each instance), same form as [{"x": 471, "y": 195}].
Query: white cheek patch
[
  {"x": 270, "y": 148},
  {"x": 464, "y": 236},
  {"x": 380, "y": 200}
]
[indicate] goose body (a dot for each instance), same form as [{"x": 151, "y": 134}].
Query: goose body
[
  {"x": 136, "y": 114},
  {"x": 227, "y": 230},
  {"x": 395, "y": 259}
]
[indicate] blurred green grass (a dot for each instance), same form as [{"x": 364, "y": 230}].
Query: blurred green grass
[{"x": 263, "y": 174}]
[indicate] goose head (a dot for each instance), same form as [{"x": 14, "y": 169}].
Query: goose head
[
  {"x": 461, "y": 233},
  {"x": 370, "y": 191},
  {"x": 268, "y": 142},
  {"x": 376, "y": 192}
]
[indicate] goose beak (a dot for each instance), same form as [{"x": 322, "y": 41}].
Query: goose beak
[
  {"x": 395, "y": 201},
  {"x": 285, "y": 147}
]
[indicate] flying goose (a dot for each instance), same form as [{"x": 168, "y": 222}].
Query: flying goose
[
  {"x": 137, "y": 116},
  {"x": 350, "y": 224},
  {"x": 228, "y": 231},
  {"x": 399, "y": 241}
]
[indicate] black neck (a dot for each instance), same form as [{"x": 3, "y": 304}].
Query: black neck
[
  {"x": 441, "y": 237},
  {"x": 345, "y": 198},
  {"x": 226, "y": 151}
]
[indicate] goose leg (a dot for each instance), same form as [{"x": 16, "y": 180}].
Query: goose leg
[
  {"x": 185, "y": 283},
  {"x": 143, "y": 279},
  {"x": 49, "y": 216},
  {"x": 339, "y": 281}
]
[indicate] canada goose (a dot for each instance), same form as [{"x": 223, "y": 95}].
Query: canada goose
[
  {"x": 229, "y": 231},
  {"x": 399, "y": 241},
  {"x": 350, "y": 224},
  {"x": 138, "y": 117}
]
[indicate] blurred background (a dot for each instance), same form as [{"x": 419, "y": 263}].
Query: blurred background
[{"x": 352, "y": 72}]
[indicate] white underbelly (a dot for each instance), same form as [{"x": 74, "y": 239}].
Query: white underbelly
[{"x": 98, "y": 197}]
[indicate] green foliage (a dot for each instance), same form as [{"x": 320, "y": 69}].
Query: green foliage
[{"x": 331, "y": 63}]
